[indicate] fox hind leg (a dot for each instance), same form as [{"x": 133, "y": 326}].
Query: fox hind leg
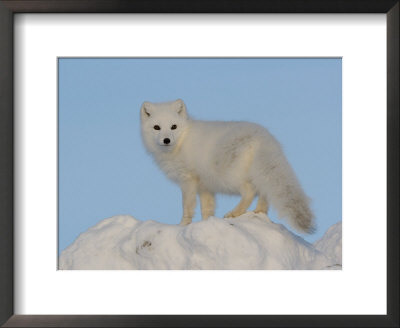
[
  {"x": 262, "y": 205},
  {"x": 247, "y": 192}
]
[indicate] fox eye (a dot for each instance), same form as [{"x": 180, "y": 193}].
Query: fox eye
[
  {"x": 173, "y": 127},
  {"x": 156, "y": 127}
]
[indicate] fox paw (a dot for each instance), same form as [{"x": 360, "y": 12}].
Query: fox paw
[
  {"x": 185, "y": 221},
  {"x": 231, "y": 214}
]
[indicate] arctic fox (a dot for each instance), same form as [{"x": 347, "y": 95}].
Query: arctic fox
[{"x": 206, "y": 157}]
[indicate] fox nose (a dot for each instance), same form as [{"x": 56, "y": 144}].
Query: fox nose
[{"x": 167, "y": 141}]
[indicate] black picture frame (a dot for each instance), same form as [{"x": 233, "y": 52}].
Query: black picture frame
[{"x": 10, "y": 7}]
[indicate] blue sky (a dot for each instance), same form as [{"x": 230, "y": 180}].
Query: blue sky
[{"x": 104, "y": 169}]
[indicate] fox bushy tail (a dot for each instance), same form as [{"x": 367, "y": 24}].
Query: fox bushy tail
[{"x": 276, "y": 181}]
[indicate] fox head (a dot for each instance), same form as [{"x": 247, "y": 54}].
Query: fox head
[{"x": 163, "y": 124}]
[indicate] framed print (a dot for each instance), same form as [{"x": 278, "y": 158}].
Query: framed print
[
  {"x": 83, "y": 165},
  {"x": 77, "y": 80}
]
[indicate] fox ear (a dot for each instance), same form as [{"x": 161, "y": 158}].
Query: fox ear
[
  {"x": 144, "y": 111},
  {"x": 181, "y": 107}
]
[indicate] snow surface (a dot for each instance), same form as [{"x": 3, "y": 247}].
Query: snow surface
[
  {"x": 251, "y": 241},
  {"x": 331, "y": 243}
]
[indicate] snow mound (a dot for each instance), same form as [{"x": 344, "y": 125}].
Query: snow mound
[
  {"x": 331, "y": 244},
  {"x": 251, "y": 241}
]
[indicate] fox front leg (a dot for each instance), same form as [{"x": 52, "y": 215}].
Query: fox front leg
[
  {"x": 207, "y": 203},
  {"x": 189, "y": 191}
]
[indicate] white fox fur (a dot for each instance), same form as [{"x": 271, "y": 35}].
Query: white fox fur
[{"x": 206, "y": 157}]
